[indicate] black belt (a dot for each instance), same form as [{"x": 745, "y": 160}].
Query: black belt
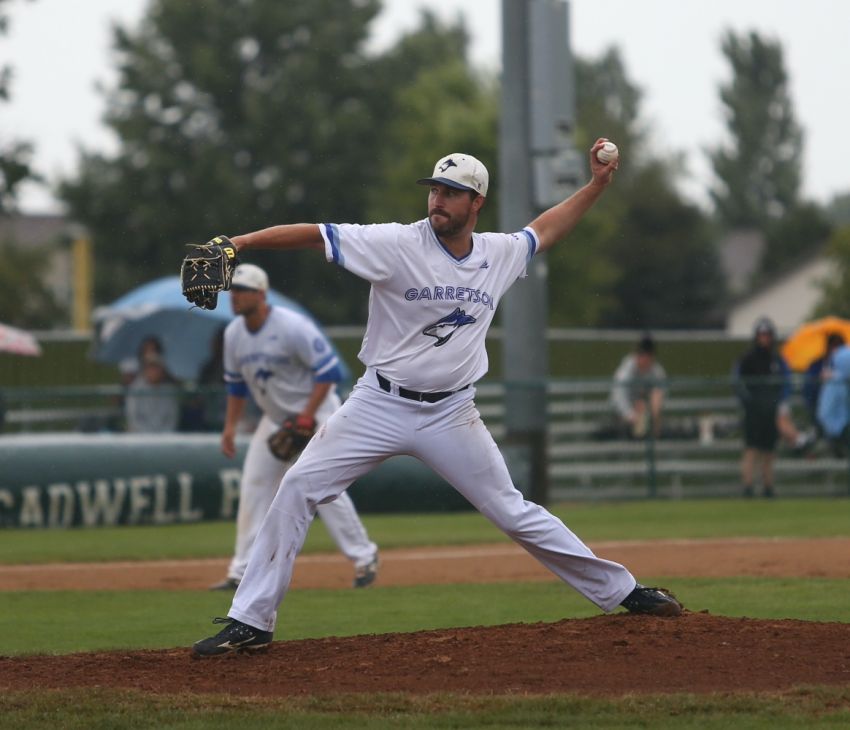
[{"x": 415, "y": 394}]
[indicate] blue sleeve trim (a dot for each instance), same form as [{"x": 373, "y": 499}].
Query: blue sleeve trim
[
  {"x": 237, "y": 390},
  {"x": 532, "y": 243},
  {"x": 230, "y": 377},
  {"x": 330, "y": 375},
  {"x": 332, "y": 233},
  {"x": 325, "y": 362}
]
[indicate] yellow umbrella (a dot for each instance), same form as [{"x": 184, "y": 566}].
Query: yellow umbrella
[{"x": 808, "y": 342}]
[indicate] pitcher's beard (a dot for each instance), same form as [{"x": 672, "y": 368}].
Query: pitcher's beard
[{"x": 446, "y": 226}]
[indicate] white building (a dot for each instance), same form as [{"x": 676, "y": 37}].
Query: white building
[{"x": 789, "y": 299}]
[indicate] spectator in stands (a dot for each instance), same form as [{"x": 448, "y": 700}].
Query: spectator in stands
[
  {"x": 152, "y": 404},
  {"x": 817, "y": 373},
  {"x": 130, "y": 367},
  {"x": 638, "y": 391},
  {"x": 833, "y": 411},
  {"x": 763, "y": 385}
]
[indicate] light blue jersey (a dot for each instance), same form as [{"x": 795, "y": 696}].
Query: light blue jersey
[{"x": 279, "y": 363}]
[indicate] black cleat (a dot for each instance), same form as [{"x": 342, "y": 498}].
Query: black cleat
[
  {"x": 652, "y": 602},
  {"x": 235, "y": 637},
  {"x": 365, "y": 575},
  {"x": 228, "y": 584}
]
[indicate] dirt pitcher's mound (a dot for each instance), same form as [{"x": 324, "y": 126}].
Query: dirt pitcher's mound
[{"x": 605, "y": 655}]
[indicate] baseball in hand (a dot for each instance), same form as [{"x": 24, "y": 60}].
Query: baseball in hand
[{"x": 608, "y": 152}]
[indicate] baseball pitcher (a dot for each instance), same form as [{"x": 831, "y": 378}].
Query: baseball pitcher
[{"x": 435, "y": 286}]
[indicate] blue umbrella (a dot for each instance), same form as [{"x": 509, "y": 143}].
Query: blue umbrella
[{"x": 187, "y": 333}]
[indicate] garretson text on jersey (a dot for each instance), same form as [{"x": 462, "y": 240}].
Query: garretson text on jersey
[{"x": 450, "y": 293}]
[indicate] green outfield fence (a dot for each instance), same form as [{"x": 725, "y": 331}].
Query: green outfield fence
[
  {"x": 68, "y": 462},
  {"x": 65, "y": 459},
  {"x": 573, "y": 353}
]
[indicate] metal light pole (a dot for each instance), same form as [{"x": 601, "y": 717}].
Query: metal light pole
[{"x": 538, "y": 168}]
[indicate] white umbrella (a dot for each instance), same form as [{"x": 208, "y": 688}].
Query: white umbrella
[{"x": 18, "y": 341}]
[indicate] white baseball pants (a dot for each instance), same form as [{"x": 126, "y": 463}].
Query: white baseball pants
[
  {"x": 450, "y": 437},
  {"x": 261, "y": 476}
]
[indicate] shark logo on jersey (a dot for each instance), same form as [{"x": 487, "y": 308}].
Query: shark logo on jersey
[
  {"x": 443, "y": 329},
  {"x": 261, "y": 376},
  {"x": 447, "y": 164}
]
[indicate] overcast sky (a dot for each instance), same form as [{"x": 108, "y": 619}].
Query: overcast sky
[{"x": 60, "y": 50}]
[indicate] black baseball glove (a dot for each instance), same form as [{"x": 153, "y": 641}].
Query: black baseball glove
[
  {"x": 290, "y": 439},
  {"x": 208, "y": 269}
]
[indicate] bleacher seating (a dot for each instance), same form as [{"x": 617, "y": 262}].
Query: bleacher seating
[{"x": 698, "y": 453}]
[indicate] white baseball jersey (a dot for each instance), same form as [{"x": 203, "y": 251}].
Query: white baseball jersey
[
  {"x": 428, "y": 317},
  {"x": 428, "y": 311},
  {"x": 280, "y": 362}
]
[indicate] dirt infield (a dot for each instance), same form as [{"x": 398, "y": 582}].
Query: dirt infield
[
  {"x": 503, "y": 562},
  {"x": 604, "y": 655}
]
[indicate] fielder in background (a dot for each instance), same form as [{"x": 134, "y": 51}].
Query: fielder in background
[
  {"x": 435, "y": 288},
  {"x": 291, "y": 371}
]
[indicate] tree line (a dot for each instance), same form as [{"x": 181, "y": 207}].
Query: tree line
[{"x": 235, "y": 116}]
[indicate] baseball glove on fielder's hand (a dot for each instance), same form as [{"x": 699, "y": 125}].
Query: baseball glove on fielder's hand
[
  {"x": 290, "y": 440},
  {"x": 207, "y": 270}
]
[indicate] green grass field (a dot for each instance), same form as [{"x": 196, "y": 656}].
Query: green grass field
[
  {"x": 103, "y": 620},
  {"x": 110, "y": 709},
  {"x": 33, "y": 622}
]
